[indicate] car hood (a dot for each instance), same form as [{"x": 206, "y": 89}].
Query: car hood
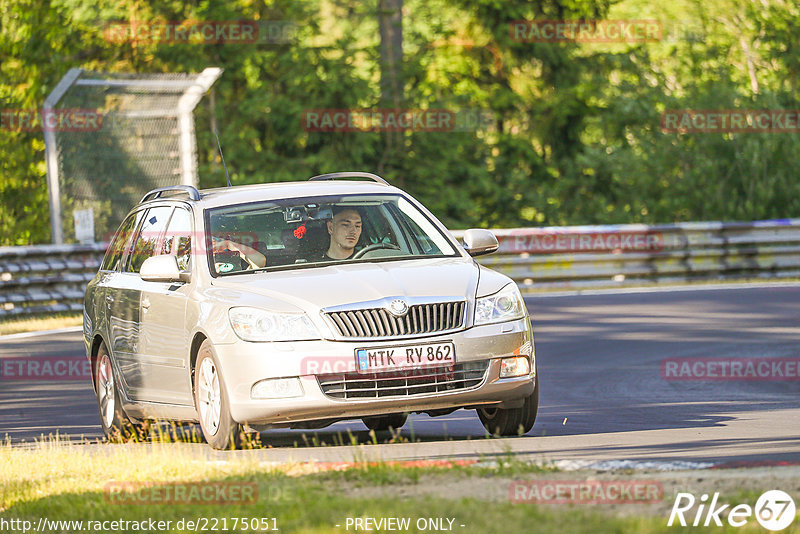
[{"x": 311, "y": 289}]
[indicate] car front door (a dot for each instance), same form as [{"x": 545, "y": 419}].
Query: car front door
[{"x": 163, "y": 339}]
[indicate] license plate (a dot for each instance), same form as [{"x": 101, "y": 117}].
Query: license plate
[{"x": 405, "y": 357}]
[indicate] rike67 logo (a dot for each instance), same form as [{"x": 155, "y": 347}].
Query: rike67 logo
[{"x": 774, "y": 510}]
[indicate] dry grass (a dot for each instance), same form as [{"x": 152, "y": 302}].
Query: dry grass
[{"x": 36, "y": 323}]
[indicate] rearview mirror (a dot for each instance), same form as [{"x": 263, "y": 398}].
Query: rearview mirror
[
  {"x": 162, "y": 269},
  {"x": 295, "y": 215},
  {"x": 478, "y": 242}
]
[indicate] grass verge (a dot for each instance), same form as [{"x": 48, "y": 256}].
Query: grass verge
[
  {"x": 137, "y": 483},
  {"x": 34, "y": 323}
]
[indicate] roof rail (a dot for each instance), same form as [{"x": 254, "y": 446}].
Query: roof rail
[
  {"x": 348, "y": 174},
  {"x": 190, "y": 190}
]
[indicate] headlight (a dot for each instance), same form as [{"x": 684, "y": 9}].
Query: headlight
[
  {"x": 516, "y": 366},
  {"x": 505, "y": 305},
  {"x": 252, "y": 324}
]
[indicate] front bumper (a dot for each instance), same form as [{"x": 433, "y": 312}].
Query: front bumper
[{"x": 242, "y": 364}]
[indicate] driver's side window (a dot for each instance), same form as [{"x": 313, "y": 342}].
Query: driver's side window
[
  {"x": 178, "y": 239},
  {"x": 378, "y": 228}
]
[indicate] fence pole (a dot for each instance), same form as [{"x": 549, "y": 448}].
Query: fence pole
[{"x": 51, "y": 155}]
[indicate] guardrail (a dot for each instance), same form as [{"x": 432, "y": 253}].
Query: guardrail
[
  {"x": 52, "y": 278},
  {"x": 46, "y": 278},
  {"x": 632, "y": 254}
]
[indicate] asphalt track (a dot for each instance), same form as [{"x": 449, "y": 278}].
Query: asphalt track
[{"x": 602, "y": 397}]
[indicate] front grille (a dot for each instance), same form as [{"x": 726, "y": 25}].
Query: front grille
[
  {"x": 420, "y": 319},
  {"x": 405, "y": 383}
]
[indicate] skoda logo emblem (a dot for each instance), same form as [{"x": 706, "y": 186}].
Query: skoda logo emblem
[{"x": 398, "y": 307}]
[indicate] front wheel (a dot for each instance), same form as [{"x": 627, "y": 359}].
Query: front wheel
[
  {"x": 211, "y": 400},
  {"x": 512, "y": 421}
]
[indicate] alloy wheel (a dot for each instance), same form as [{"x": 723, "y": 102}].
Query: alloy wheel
[{"x": 209, "y": 396}]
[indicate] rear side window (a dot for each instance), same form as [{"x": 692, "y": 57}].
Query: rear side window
[
  {"x": 121, "y": 242},
  {"x": 149, "y": 237}
]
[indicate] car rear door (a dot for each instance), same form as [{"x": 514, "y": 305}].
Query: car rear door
[
  {"x": 121, "y": 301},
  {"x": 101, "y": 291}
]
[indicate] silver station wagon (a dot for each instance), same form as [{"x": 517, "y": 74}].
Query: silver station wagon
[{"x": 298, "y": 305}]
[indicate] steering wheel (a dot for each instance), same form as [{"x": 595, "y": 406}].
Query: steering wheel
[{"x": 374, "y": 246}]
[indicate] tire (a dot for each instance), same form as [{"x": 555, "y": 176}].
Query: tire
[
  {"x": 381, "y": 423},
  {"x": 211, "y": 400},
  {"x": 117, "y": 427},
  {"x": 512, "y": 421}
]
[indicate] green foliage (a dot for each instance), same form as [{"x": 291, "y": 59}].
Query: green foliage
[{"x": 574, "y": 135}]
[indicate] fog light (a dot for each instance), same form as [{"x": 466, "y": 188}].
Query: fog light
[
  {"x": 516, "y": 366},
  {"x": 277, "y": 388}
]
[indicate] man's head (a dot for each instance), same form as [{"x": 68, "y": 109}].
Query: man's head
[{"x": 344, "y": 229}]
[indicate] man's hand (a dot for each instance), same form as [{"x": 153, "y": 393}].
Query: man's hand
[{"x": 254, "y": 258}]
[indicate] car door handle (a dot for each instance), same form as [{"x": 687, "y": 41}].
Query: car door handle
[
  {"x": 109, "y": 299},
  {"x": 145, "y": 304}
]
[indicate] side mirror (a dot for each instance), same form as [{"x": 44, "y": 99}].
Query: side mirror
[
  {"x": 162, "y": 268},
  {"x": 478, "y": 242}
]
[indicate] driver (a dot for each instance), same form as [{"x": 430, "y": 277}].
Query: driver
[{"x": 345, "y": 230}]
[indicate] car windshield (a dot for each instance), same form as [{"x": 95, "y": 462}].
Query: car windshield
[{"x": 310, "y": 231}]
